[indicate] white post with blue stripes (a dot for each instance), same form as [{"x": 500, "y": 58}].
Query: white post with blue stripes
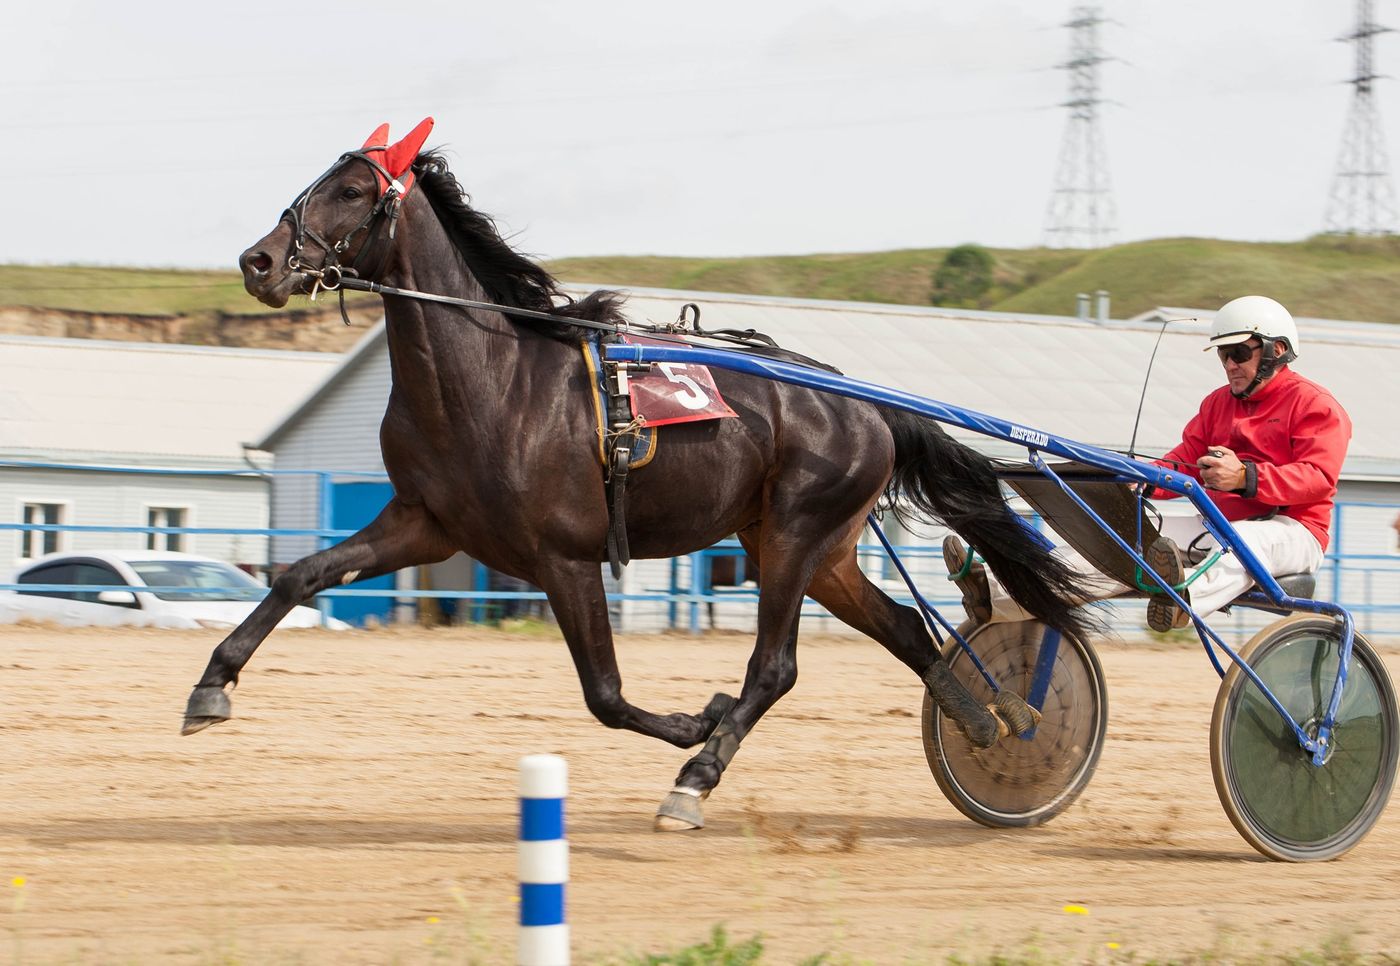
[{"x": 543, "y": 861}]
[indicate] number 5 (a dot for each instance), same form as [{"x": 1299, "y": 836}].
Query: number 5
[{"x": 692, "y": 396}]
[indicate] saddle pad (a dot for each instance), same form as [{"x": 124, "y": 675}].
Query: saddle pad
[{"x": 673, "y": 392}]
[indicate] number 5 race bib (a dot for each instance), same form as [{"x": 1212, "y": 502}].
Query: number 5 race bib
[{"x": 674, "y": 392}]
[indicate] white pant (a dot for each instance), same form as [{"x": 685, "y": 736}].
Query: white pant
[{"x": 1282, "y": 544}]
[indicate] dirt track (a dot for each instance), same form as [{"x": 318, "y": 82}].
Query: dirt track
[{"x": 361, "y": 808}]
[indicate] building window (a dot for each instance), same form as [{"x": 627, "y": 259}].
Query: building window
[
  {"x": 36, "y": 543},
  {"x": 165, "y": 516}
]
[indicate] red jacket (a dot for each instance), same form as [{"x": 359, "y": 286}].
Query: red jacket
[{"x": 1295, "y": 435}]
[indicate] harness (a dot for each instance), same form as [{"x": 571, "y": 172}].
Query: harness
[
  {"x": 622, "y": 439},
  {"x": 625, "y": 443}
]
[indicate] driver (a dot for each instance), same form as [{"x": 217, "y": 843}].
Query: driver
[{"x": 1268, "y": 446}]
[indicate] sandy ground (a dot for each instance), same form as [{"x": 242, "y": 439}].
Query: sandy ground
[{"x": 360, "y": 808}]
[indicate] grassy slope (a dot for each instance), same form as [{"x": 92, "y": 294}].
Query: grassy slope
[
  {"x": 1327, "y": 277},
  {"x": 133, "y": 291},
  {"x": 1322, "y": 277},
  {"x": 898, "y": 277}
]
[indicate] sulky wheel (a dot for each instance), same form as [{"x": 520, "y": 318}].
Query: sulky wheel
[
  {"x": 1284, "y": 805},
  {"x": 1020, "y": 782}
]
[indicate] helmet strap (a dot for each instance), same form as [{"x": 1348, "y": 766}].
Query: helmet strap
[{"x": 1269, "y": 360}]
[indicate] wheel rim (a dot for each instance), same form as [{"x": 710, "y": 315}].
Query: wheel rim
[
  {"x": 1284, "y": 796},
  {"x": 1018, "y": 779}
]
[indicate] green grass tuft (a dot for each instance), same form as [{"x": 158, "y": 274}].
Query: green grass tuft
[{"x": 718, "y": 950}]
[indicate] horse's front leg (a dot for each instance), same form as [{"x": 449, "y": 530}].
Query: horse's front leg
[
  {"x": 575, "y": 591},
  {"x": 402, "y": 535},
  {"x": 771, "y": 673}
]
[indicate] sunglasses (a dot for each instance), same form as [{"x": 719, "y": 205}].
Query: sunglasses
[{"x": 1239, "y": 353}]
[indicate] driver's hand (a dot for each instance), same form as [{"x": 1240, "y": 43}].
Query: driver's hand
[{"x": 1221, "y": 469}]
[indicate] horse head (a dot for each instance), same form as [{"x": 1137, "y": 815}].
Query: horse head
[{"x": 343, "y": 223}]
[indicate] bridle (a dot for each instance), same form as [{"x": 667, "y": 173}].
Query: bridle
[{"x": 330, "y": 274}]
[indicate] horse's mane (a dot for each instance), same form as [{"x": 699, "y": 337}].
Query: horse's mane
[{"x": 507, "y": 276}]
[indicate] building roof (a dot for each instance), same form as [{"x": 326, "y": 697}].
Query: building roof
[
  {"x": 92, "y": 401},
  {"x": 372, "y": 342},
  {"x": 1072, "y": 377}
]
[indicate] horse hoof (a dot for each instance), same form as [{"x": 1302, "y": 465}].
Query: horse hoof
[
  {"x": 1003, "y": 729},
  {"x": 207, "y": 706},
  {"x": 1013, "y": 710},
  {"x": 679, "y": 812}
]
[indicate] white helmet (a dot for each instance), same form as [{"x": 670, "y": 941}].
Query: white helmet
[{"x": 1255, "y": 315}]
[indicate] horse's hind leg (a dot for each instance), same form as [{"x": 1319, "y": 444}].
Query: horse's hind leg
[
  {"x": 844, "y": 590},
  {"x": 401, "y": 536}
]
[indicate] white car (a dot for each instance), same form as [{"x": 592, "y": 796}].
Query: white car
[{"x": 142, "y": 588}]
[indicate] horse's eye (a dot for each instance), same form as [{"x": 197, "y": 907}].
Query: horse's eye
[{"x": 350, "y": 193}]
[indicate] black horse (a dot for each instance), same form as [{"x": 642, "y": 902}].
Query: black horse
[{"x": 489, "y": 442}]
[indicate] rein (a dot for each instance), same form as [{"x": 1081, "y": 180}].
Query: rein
[
  {"x": 687, "y": 324},
  {"x": 331, "y": 276},
  {"x": 344, "y": 282}
]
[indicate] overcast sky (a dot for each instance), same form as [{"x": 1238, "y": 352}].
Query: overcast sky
[{"x": 145, "y": 133}]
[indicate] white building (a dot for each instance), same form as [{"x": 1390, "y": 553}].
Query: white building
[
  {"x": 1073, "y": 377},
  {"x": 174, "y": 416}
]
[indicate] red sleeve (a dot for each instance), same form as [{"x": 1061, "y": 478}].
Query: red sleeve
[
  {"x": 1319, "y": 437},
  {"x": 1182, "y": 457}
]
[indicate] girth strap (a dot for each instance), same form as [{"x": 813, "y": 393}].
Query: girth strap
[
  {"x": 621, "y": 437},
  {"x": 619, "y": 554}
]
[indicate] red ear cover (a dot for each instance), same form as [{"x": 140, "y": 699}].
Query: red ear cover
[
  {"x": 399, "y": 157},
  {"x": 379, "y": 138}
]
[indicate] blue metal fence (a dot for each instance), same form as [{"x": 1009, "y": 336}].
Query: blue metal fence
[{"x": 1366, "y": 583}]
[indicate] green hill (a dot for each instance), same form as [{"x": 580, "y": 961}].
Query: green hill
[
  {"x": 1327, "y": 277},
  {"x": 164, "y": 292},
  {"x": 1348, "y": 278},
  {"x": 133, "y": 291}
]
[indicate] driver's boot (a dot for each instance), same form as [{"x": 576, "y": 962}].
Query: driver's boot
[
  {"x": 977, "y": 593},
  {"x": 1164, "y": 556}
]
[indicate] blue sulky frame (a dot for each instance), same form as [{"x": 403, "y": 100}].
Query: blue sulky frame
[{"x": 1269, "y": 593}]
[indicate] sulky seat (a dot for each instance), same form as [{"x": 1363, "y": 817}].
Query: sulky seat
[{"x": 1119, "y": 507}]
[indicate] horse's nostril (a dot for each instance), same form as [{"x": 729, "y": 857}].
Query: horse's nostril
[{"x": 260, "y": 262}]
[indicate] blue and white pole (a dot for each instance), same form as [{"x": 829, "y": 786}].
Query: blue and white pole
[{"x": 543, "y": 861}]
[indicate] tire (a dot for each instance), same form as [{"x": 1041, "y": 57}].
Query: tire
[
  {"x": 1020, "y": 783},
  {"x": 1283, "y": 805}
]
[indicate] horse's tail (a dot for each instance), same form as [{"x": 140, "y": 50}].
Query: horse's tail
[{"x": 957, "y": 485}]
